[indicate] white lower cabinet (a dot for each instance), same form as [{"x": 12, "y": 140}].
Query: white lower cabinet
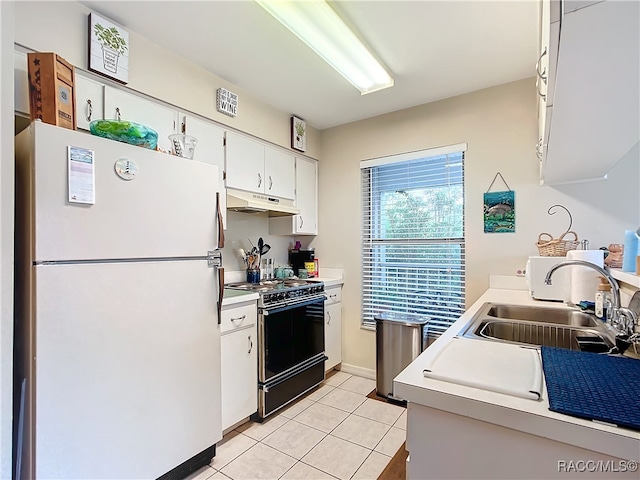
[
  {"x": 333, "y": 326},
  {"x": 239, "y": 354}
]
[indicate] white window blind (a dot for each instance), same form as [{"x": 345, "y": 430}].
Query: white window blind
[{"x": 413, "y": 236}]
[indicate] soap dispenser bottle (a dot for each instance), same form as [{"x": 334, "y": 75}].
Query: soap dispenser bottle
[{"x": 603, "y": 299}]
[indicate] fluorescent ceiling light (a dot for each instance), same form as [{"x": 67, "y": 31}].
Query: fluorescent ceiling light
[{"x": 317, "y": 24}]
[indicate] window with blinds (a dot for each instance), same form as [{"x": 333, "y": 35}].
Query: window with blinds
[{"x": 413, "y": 236}]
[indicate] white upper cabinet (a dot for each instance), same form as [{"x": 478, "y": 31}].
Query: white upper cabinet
[
  {"x": 89, "y": 101},
  {"x": 244, "y": 163},
  {"x": 546, "y": 71},
  {"x": 593, "y": 104},
  {"x": 279, "y": 173},
  {"x": 120, "y": 105},
  {"x": 306, "y": 198},
  {"x": 254, "y": 167},
  {"x": 209, "y": 149}
]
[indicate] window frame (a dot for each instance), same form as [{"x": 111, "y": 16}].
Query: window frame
[{"x": 372, "y": 221}]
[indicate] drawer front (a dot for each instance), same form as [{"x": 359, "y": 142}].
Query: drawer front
[
  {"x": 236, "y": 317},
  {"x": 334, "y": 295}
]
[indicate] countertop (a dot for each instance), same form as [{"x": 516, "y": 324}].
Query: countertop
[
  {"x": 329, "y": 281},
  {"x": 521, "y": 414},
  {"x": 233, "y": 297}
]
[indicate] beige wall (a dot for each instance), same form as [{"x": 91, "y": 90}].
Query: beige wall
[
  {"x": 500, "y": 127},
  {"x": 61, "y": 27}
]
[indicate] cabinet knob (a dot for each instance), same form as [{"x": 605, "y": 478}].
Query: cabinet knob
[
  {"x": 259, "y": 180},
  {"x": 270, "y": 182},
  {"x": 89, "y": 109},
  {"x": 240, "y": 319},
  {"x": 301, "y": 222},
  {"x": 328, "y": 318},
  {"x": 118, "y": 113},
  {"x": 250, "y": 344}
]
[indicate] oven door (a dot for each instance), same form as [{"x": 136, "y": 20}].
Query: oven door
[{"x": 290, "y": 336}]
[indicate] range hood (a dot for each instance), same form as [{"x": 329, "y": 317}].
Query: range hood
[{"x": 247, "y": 202}]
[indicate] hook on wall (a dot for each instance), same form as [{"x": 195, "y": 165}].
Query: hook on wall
[{"x": 566, "y": 210}]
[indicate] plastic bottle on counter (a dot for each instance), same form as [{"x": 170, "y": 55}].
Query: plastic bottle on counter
[
  {"x": 603, "y": 299},
  {"x": 630, "y": 251}
]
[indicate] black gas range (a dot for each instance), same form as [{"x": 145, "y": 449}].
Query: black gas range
[{"x": 290, "y": 340}]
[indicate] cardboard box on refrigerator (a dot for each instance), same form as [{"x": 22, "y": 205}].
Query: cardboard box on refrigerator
[{"x": 51, "y": 89}]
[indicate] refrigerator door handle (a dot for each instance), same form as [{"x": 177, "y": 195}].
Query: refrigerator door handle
[
  {"x": 220, "y": 224},
  {"x": 214, "y": 258},
  {"x": 220, "y": 293}
]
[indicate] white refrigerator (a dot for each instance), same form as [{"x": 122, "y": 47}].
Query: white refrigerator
[{"x": 119, "y": 284}]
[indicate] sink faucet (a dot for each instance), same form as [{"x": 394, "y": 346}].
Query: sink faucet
[{"x": 622, "y": 319}]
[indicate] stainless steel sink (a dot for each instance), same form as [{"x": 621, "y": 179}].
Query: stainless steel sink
[
  {"x": 553, "y": 327},
  {"x": 560, "y": 316}
]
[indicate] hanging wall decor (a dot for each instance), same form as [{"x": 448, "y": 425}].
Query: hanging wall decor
[
  {"x": 499, "y": 209},
  {"x": 108, "y": 48},
  {"x": 298, "y": 134},
  {"x": 226, "y": 102}
]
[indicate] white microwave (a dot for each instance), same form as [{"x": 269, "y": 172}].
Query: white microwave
[{"x": 536, "y": 272}]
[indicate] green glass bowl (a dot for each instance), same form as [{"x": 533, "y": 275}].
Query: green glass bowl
[{"x": 123, "y": 131}]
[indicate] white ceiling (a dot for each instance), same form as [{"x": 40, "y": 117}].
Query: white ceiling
[{"x": 433, "y": 49}]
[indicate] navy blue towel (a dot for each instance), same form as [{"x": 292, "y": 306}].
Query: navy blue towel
[{"x": 593, "y": 386}]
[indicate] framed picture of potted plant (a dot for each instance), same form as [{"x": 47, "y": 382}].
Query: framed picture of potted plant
[
  {"x": 108, "y": 48},
  {"x": 298, "y": 134}
]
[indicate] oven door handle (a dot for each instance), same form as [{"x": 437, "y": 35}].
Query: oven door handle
[{"x": 291, "y": 306}]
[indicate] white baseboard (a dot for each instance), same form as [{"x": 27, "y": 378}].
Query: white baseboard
[{"x": 359, "y": 371}]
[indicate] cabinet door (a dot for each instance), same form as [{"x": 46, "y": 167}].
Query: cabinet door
[
  {"x": 244, "y": 163},
  {"x": 239, "y": 376},
  {"x": 89, "y": 101},
  {"x": 333, "y": 334},
  {"x": 279, "y": 173},
  {"x": 209, "y": 149},
  {"x": 125, "y": 106},
  {"x": 546, "y": 76},
  {"x": 306, "y": 197},
  {"x": 306, "y": 223},
  {"x": 542, "y": 66}
]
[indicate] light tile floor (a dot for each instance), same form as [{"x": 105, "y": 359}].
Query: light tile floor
[{"x": 335, "y": 431}]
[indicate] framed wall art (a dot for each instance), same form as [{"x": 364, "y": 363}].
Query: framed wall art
[
  {"x": 108, "y": 48},
  {"x": 499, "y": 209},
  {"x": 298, "y": 134}
]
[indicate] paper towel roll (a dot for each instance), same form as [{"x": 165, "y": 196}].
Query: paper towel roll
[{"x": 584, "y": 280}]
